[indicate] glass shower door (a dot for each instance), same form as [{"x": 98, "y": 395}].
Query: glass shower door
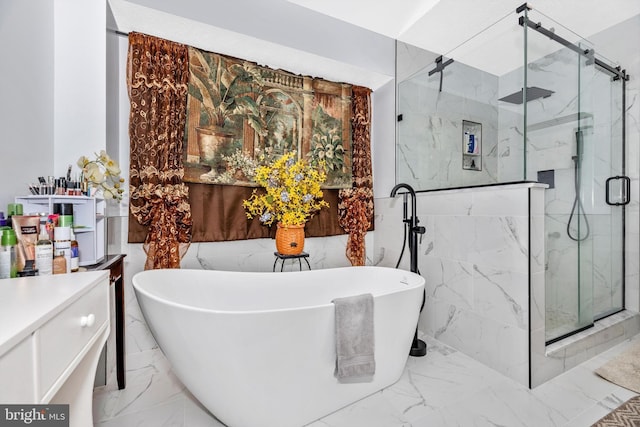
[
  {"x": 557, "y": 154},
  {"x": 574, "y": 143}
]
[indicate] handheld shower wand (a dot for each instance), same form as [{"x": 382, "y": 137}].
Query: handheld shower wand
[{"x": 577, "y": 210}]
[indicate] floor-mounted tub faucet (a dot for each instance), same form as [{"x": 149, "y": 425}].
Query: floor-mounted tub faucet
[
  {"x": 412, "y": 221},
  {"x": 418, "y": 347}
]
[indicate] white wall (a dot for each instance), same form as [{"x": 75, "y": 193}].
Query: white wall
[
  {"x": 26, "y": 85},
  {"x": 53, "y": 88},
  {"x": 383, "y": 137},
  {"x": 79, "y": 81}
]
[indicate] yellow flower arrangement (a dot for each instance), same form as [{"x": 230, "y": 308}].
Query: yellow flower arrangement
[
  {"x": 103, "y": 173},
  {"x": 292, "y": 192}
]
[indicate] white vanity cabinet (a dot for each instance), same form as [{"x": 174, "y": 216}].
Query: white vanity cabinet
[{"x": 52, "y": 329}]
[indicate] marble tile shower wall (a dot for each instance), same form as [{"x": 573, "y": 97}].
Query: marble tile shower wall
[
  {"x": 430, "y": 136},
  {"x": 475, "y": 259}
]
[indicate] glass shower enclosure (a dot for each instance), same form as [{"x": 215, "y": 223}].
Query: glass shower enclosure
[
  {"x": 576, "y": 141},
  {"x": 466, "y": 119}
]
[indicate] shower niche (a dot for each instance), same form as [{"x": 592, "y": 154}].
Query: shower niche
[{"x": 471, "y": 145}]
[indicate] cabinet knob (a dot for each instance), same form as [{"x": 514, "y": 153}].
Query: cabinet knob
[{"x": 88, "y": 321}]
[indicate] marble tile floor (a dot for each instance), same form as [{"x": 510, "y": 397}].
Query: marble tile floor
[{"x": 444, "y": 388}]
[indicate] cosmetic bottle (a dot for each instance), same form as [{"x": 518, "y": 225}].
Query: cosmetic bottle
[
  {"x": 59, "y": 263},
  {"x": 65, "y": 214},
  {"x": 13, "y": 209},
  {"x": 75, "y": 253},
  {"x": 8, "y": 259},
  {"x": 44, "y": 253},
  {"x": 62, "y": 243}
]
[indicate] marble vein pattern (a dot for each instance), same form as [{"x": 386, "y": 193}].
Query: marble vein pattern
[
  {"x": 474, "y": 258},
  {"x": 444, "y": 388}
]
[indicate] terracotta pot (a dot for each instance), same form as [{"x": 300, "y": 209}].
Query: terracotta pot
[{"x": 290, "y": 239}]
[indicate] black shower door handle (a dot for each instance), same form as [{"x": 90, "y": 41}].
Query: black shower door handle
[{"x": 625, "y": 194}]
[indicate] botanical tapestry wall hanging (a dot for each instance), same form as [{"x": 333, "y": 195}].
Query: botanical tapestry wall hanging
[{"x": 241, "y": 115}]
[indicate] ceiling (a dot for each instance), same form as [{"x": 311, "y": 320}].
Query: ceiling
[
  {"x": 453, "y": 28},
  {"x": 440, "y": 26}
]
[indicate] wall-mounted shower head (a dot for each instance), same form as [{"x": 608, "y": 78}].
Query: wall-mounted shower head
[{"x": 533, "y": 92}]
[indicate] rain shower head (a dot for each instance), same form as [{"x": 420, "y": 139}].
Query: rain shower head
[{"x": 533, "y": 92}]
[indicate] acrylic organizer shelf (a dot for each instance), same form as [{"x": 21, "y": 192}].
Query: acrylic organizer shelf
[{"x": 89, "y": 222}]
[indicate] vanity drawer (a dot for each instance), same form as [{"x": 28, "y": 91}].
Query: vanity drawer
[
  {"x": 17, "y": 381},
  {"x": 62, "y": 339}
]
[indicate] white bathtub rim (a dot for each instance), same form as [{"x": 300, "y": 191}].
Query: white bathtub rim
[{"x": 140, "y": 288}]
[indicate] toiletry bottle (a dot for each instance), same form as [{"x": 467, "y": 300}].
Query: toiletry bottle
[
  {"x": 13, "y": 209},
  {"x": 44, "y": 253},
  {"x": 65, "y": 214},
  {"x": 8, "y": 259},
  {"x": 59, "y": 263},
  {"x": 62, "y": 243},
  {"x": 75, "y": 253}
]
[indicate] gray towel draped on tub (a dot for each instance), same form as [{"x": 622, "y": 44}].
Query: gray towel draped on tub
[{"x": 355, "y": 344}]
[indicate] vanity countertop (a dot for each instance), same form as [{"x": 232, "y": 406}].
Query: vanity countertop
[{"x": 26, "y": 303}]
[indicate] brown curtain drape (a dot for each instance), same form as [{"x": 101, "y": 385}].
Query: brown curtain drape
[
  {"x": 218, "y": 216},
  {"x": 158, "y": 73},
  {"x": 355, "y": 208}
]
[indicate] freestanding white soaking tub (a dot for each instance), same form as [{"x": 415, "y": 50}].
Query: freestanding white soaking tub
[{"x": 258, "y": 349}]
